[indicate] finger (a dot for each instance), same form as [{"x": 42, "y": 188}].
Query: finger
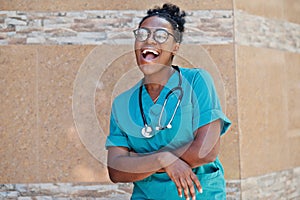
[
  {"x": 185, "y": 188},
  {"x": 191, "y": 188},
  {"x": 179, "y": 188},
  {"x": 196, "y": 182}
]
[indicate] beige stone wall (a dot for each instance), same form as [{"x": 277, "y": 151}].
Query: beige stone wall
[
  {"x": 267, "y": 64},
  {"x": 71, "y": 5},
  {"x": 40, "y": 140},
  {"x": 268, "y": 77},
  {"x": 250, "y": 47}
]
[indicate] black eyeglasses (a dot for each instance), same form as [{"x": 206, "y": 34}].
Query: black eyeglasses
[{"x": 159, "y": 35}]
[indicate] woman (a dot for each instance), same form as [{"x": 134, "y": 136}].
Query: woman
[{"x": 165, "y": 131}]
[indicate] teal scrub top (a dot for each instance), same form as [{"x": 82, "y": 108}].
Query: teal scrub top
[{"x": 200, "y": 105}]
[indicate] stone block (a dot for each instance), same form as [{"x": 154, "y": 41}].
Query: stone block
[
  {"x": 24, "y": 198},
  {"x": 6, "y": 187},
  {"x": 291, "y": 10},
  {"x": 260, "y": 153},
  {"x": 22, "y": 188},
  {"x": 44, "y": 198},
  {"x": 252, "y": 30},
  {"x": 12, "y": 194},
  {"x": 18, "y": 144},
  {"x": 270, "y": 9},
  {"x": 62, "y": 154}
]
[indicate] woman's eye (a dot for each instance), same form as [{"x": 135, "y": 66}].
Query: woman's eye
[
  {"x": 161, "y": 36},
  {"x": 143, "y": 35}
]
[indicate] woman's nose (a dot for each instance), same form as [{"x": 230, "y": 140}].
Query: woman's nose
[{"x": 150, "y": 39}]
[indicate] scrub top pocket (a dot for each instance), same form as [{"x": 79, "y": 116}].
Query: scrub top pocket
[
  {"x": 213, "y": 185},
  {"x": 160, "y": 187},
  {"x": 156, "y": 187}
]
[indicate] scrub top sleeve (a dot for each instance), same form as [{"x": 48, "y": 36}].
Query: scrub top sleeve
[
  {"x": 116, "y": 137},
  {"x": 206, "y": 103}
]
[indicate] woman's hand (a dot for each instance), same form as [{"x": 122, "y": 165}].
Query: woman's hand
[{"x": 184, "y": 178}]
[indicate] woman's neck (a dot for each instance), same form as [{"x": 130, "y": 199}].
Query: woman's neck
[{"x": 155, "y": 83}]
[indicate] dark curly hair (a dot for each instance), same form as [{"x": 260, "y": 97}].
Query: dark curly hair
[{"x": 172, "y": 14}]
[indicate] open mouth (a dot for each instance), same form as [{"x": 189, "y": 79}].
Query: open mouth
[{"x": 149, "y": 54}]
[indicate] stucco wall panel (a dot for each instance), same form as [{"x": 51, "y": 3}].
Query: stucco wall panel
[
  {"x": 48, "y": 5},
  {"x": 262, "y": 109}
]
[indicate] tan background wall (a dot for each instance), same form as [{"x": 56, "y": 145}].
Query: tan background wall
[
  {"x": 39, "y": 138},
  {"x": 68, "y": 5},
  {"x": 268, "y": 91},
  {"x": 259, "y": 66}
]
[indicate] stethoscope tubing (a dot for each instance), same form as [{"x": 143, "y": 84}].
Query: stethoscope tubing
[
  {"x": 147, "y": 130},
  {"x": 160, "y": 127}
]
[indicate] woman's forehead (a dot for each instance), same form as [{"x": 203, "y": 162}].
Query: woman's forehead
[{"x": 156, "y": 22}]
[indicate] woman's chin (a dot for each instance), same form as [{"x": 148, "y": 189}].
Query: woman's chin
[
  {"x": 152, "y": 70},
  {"x": 148, "y": 69},
  {"x": 150, "y": 64}
]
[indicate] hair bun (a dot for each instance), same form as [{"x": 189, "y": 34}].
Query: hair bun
[
  {"x": 173, "y": 10},
  {"x": 171, "y": 13}
]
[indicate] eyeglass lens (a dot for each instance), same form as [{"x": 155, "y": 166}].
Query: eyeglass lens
[{"x": 159, "y": 35}]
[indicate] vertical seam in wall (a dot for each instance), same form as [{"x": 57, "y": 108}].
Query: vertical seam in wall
[
  {"x": 37, "y": 136},
  {"x": 286, "y": 87},
  {"x": 237, "y": 94}
]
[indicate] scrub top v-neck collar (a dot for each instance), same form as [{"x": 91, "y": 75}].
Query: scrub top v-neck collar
[{"x": 171, "y": 83}]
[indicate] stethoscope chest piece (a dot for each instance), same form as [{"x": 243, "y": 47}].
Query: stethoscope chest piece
[{"x": 147, "y": 131}]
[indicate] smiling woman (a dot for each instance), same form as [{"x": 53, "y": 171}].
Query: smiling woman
[
  {"x": 154, "y": 48},
  {"x": 165, "y": 131}
]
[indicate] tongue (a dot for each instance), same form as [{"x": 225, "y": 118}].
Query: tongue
[{"x": 149, "y": 56}]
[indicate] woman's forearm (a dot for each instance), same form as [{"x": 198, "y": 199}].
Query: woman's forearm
[
  {"x": 191, "y": 155},
  {"x": 125, "y": 168},
  {"x": 204, "y": 148},
  {"x": 117, "y": 176}
]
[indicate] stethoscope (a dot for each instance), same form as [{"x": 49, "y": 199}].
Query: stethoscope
[{"x": 147, "y": 130}]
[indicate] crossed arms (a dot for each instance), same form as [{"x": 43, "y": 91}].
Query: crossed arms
[{"x": 124, "y": 166}]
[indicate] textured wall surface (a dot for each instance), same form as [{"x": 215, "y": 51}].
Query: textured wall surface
[
  {"x": 105, "y": 27},
  {"x": 54, "y": 54},
  {"x": 267, "y": 35},
  {"x": 267, "y": 64},
  {"x": 48, "y": 5},
  {"x": 51, "y": 71}
]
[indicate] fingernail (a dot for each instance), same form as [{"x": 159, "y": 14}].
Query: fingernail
[
  {"x": 188, "y": 198},
  {"x": 180, "y": 196},
  {"x": 194, "y": 198},
  {"x": 201, "y": 191}
]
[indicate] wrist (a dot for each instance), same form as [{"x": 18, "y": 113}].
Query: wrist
[{"x": 166, "y": 158}]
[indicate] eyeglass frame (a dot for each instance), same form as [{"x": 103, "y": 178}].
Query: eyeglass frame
[{"x": 153, "y": 34}]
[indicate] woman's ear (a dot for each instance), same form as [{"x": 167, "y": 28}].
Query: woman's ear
[{"x": 176, "y": 48}]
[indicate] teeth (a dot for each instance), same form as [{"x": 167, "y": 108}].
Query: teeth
[{"x": 150, "y": 51}]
